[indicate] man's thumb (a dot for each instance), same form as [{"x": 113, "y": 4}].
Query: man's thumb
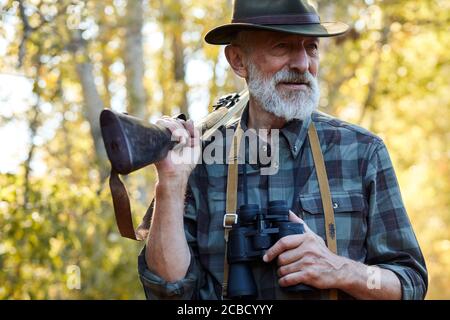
[{"x": 294, "y": 218}]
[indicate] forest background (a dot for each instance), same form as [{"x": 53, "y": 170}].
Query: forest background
[{"x": 63, "y": 61}]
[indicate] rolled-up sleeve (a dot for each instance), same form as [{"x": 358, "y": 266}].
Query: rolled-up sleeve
[
  {"x": 157, "y": 288},
  {"x": 391, "y": 243}
]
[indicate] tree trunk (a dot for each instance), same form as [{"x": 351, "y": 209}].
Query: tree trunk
[
  {"x": 34, "y": 124},
  {"x": 180, "y": 67},
  {"x": 106, "y": 64},
  {"x": 370, "y": 103},
  {"x": 213, "y": 88},
  {"x": 134, "y": 59},
  {"x": 93, "y": 105}
]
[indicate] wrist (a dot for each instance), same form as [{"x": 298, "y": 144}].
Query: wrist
[
  {"x": 173, "y": 184},
  {"x": 169, "y": 201},
  {"x": 350, "y": 274}
]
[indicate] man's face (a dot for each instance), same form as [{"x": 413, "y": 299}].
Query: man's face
[{"x": 281, "y": 72}]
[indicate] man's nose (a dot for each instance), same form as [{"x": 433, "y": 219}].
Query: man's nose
[{"x": 299, "y": 60}]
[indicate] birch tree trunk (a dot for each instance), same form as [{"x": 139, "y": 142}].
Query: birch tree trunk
[
  {"x": 93, "y": 105},
  {"x": 180, "y": 67},
  {"x": 134, "y": 59}
]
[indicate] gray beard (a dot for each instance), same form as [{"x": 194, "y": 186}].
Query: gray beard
[{"x": 299, "y": 104}]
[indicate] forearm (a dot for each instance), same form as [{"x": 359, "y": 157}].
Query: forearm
[
  {"x": 369, "y": 282},
  {"x": 167, "y": 251}
]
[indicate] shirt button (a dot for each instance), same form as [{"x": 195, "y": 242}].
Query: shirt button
[
  {"x": 295, "y": 148},
  {"x": 335, "y": 205}
]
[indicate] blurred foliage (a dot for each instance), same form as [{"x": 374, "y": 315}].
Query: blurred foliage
[
  {"x": 389, "y": 74},
  {"x": 67, "y": 221}
]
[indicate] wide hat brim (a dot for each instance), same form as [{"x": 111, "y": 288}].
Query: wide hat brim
[{"x": 223, "y": 35}]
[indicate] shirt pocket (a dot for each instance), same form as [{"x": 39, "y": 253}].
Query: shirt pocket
[{"x": 350, "y": 213}]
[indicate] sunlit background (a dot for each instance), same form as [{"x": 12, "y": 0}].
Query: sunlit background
[{"x": 63, "y": 61}]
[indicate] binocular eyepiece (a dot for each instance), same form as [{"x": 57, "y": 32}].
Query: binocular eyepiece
[{"x": 248, "y": 241}]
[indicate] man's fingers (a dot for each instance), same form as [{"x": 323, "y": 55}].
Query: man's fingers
[
  {"x": 181, "y": 136},
  {"x": 189, "y": 126},
  {"x": 194, "y": 133},
  {"x": 178, "y": 130},
  {"x": 296, "y": 266},
  {"x": 285, "y": 243},
  {"x": 288, "y": 257},
  {"x": 170, "y": 124},
  {"x": 293, "y": 279}
]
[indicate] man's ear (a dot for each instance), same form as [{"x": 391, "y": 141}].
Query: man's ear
[{"x": 235, "y": 57}]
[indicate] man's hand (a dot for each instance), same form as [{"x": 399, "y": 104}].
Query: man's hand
[
  {"x": 305, "y": 259},
  {"x": 181, "y": 160}
]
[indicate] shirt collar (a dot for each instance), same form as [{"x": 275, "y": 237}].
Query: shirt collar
[{"x": 295, "y": 131}]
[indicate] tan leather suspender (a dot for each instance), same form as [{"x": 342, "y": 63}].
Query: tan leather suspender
[
  {"x": 325, "y": 194},
  {"x": 231, "y": 216}
]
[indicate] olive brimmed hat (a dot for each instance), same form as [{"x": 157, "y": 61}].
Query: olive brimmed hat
[{"x": 290, "y": 16}]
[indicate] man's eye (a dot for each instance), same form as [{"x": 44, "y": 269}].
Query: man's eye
[
  {"x": 281, "y": 45},
  {"x": 280, "y": 49},
  {"x": 313, "y": 48}
]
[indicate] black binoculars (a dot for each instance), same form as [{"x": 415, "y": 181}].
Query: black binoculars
[{"x": 248, "y": 241}]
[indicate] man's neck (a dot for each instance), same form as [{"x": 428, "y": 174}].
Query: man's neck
[{"x": 258, "y": 118}]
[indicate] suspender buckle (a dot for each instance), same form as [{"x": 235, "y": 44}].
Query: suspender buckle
[{"x": 229, "y": 219}]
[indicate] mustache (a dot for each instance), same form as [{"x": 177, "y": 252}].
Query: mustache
[{"x": 292, "y": 76}]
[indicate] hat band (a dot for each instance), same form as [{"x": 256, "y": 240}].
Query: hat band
[{"x": 303, "y": 18}]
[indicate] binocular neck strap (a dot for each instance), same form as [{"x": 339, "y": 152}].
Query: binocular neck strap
[{"x": 231, "y": 216}]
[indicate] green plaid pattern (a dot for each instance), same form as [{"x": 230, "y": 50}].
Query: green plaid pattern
[{"x": 372, "y": 225}]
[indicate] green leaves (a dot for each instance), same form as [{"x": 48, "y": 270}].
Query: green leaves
[{"x": 63, "y": 226}]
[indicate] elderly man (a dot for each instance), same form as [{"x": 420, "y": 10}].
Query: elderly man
[{"x": 364, "y": 249}]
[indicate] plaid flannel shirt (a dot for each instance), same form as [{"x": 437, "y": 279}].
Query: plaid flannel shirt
[{"x": 372, "y": 225}]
